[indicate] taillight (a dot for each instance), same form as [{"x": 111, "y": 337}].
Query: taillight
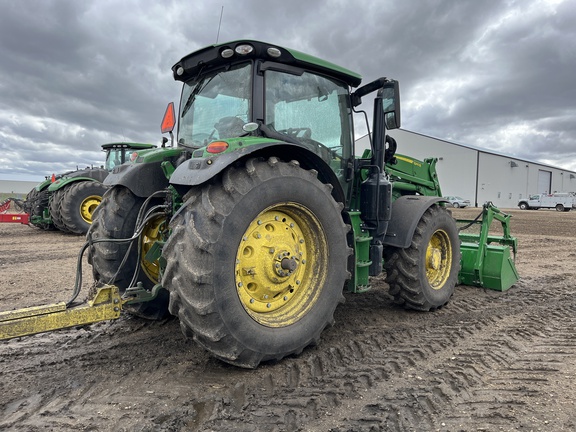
[{"x": 217, "y": 147}]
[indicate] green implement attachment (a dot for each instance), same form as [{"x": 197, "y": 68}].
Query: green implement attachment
[{"x": 488, "y": 260}]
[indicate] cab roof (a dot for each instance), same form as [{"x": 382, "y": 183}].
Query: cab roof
[
  {"x": 214, "y": 56},
  {"x": 136, "y": 146}
]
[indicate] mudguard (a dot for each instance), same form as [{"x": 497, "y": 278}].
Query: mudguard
[
  {"x": 196, "y": 171},
  {"x": 44, "y": 185},
  {"x": 142, "y": 179},
  {"x": 406, "y": 213},
  {"x": 60, "y": 183},
  {"x": 202, "y": 168}
]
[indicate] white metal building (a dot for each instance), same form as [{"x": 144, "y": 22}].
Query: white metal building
[{"x": 481, "y": 175}]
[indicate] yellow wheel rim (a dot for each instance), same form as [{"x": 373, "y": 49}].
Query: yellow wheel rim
[
  {"x": 281, "y": 265},
  {"x": 438, "y": 259},
  {"x": 153, "y": 232},
  {"x": 88, "y": 206}
]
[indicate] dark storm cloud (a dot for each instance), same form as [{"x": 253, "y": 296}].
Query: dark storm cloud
[{"x": 75, "y": 75}]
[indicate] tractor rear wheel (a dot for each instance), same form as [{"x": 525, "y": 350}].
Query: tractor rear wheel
[
  {"x": 41, "y": 202},
  {"x": 78, "y": 203},
  {"x": 55, "y": 209},
  {"x": 424, "y": 275},
  {"x": 116, "y": 262},
  {"x": 257, "y": 261},
  {"x": 30, "y": 201}
]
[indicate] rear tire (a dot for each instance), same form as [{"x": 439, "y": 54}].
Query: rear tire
[
  {"x": 115, "y": 218},
  {"x": 40, "y": 202},
  {"x": 559, "y": 207},
  {"x": 55, "y": 209},
  {"x": 78, "y": 204},
  {"x": 256, "y": 262},
  {"x": 424, "y": 275}
]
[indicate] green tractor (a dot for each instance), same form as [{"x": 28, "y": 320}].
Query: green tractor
[
  {"x": 66, "y": 201},
  {"x": 252, "y": 225}
]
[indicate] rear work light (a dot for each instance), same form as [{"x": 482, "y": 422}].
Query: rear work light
[
  {"x": 244, "y": 49},
  {"x": 217, "y": 147}
]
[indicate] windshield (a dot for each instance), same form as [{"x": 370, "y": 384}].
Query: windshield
[
  {"x": 312, "y": 109},
  {"x": 114, "y": 158},
  {"x": 215, "y": 106}
]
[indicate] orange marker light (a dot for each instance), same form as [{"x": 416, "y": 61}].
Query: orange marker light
[{"x": 53, "y": 178}]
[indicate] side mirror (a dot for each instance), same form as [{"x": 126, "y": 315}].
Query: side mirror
[
  {"x": 390, "y": 97},
  {"x": 169, "y": 120}
]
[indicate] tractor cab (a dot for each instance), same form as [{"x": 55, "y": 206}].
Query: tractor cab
[
  {"x": 265, "y": 98},
  {"x": 120, "y": 152}
]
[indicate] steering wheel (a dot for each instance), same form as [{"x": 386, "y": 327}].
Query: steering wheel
[{"x": 303, "y": 132}]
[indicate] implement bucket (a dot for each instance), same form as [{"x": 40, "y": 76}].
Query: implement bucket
[{"x": 488, "y": 260}]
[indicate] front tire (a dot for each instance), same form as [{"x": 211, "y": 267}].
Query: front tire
[
  {"x": 115, "y": 218},
  {"x": 424, "y": 275},
  {"x": 256, "y": 262},
  {"x": 523, "y": 206}
]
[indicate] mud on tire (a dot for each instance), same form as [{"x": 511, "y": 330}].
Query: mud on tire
[{"x": 256, "y": 262}]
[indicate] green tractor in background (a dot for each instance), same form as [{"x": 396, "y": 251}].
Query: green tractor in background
[
  {"x": 66, "y": 201},
  {"x": 252, "y": 225}
]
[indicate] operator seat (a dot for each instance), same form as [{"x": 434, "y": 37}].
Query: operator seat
[{"x": 229, "y": 127}]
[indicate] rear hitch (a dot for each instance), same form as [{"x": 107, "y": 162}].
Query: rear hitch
[{"x": 106, "y": 305}]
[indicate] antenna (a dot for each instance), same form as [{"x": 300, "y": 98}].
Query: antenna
[{"x": 219, "y": 24}]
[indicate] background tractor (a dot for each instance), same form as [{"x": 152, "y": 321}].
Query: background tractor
[
  {"x": 66, "y": 201},
  {"x": 252, "y": 225}
]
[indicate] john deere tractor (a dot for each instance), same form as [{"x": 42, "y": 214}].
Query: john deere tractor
[
  {"x": 66, "y": 201},
  {"x": 252, "y": 224}
]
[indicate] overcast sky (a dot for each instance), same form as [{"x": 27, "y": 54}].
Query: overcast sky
[{"x": 495, "y": 74}]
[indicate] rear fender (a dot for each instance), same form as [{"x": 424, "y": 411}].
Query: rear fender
[
  {"x": 44, "y": 185},
  {"x": 406, "y": 213},
  {"x": 60, "y": 183},
  {"x": 142, "y": 179},
  {"x": 198, "y": 170}
]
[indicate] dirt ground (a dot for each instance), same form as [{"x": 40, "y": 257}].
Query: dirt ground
[{"x": 488, "y": 361}]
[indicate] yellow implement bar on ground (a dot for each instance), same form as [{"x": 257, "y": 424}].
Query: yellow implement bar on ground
[{"x": 106, "y": 305}]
